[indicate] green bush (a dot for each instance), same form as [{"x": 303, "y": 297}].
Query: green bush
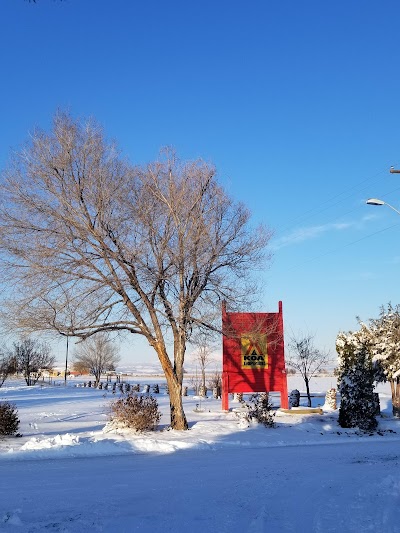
[
  {"x": 137, "y": 412},
  {"x": 9, "y": 421}
]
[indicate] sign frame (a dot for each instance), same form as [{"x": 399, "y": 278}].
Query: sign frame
[{"x": 253, "y": 358}]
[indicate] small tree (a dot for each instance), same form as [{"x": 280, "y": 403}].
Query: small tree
[
  {"x": 98, "y": 354},
  {"x": 202, "y": 354},
  {"x": 215, "y": 380},
  {"x": 9, "y": 421},
  {"x": 32, "y": 358},
  {"x": 80, "y": 367},
  {"x": 307, "y": 359},
  {"x": 7, "y": 365},
  {"x": 356, "y": 380}
]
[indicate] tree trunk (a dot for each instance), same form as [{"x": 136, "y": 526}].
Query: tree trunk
[
  {"x": 395, "y": 386},
  {"x": 308, "y": 392},
  {"x": 174, "y": 378},
  {"x": 203, "y": 378},
  {"x": 396, "y": 407},
  {"x": 178, "y": 418}
]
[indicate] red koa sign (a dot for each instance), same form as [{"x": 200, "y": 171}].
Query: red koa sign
[{"x": 253, "y": 354}]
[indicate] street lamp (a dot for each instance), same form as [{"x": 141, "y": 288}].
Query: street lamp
[{"x": 376, "y": 201}]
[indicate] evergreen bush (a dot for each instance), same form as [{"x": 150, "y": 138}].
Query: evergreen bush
[
  {"x": 9, "y": 421},
  {"x": 356, "y": 381}
]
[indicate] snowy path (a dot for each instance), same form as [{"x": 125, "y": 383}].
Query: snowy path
[{"x": 342, "y": 487}]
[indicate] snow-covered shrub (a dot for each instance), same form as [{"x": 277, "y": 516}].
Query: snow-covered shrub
[
  {"x": 217, "y": 392},
  {"x": 238, "y": 397},
  {"x": 137, "y": 412},
  {"x": 385, "y": 336},
  {"x": 294, "y": 398},
  {"x": 261, "y": 409},
  {"x": 330, "y": 399},
  {"x": 9, "y": 421},
  {"x": 356, "y": 381},
  {"x": 203, "y": 391}
]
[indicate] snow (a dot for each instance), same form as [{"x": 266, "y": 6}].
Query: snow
[{"x": 72, "y": 471}]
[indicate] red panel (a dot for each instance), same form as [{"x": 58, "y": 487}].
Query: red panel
[{"x": 253, "y": 339}]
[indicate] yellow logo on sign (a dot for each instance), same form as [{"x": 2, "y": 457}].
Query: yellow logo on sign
[{"x": 254, "y": 351}]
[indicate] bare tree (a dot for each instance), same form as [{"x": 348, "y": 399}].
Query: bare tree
[
  {"x": 80, "y": 367},
  {"x": 203, "y": 350},
  {"x": 215, "y": 380},
  {"x": 307, "y": 359},
  {"x": 32, "y": 358},
  {"x": 7, "y": 365},
  {"x": 150, "y": 250},
  {"x": 98, "y": 353}
]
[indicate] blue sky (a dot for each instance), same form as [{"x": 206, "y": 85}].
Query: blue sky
[{"x": 296, "y": 103}]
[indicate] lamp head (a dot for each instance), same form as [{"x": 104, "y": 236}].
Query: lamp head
[{"x": 374, "y": 201}]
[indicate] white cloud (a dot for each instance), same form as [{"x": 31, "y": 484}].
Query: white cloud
[
  {"x": 369, "y": 217},
  {"x": 306, "y": 233}
]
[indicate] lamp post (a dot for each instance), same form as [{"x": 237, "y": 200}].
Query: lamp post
[
  {"x": 66, "y": 362},
  {"x": 376, "y": 201}
]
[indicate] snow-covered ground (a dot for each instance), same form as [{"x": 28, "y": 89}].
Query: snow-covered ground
[{"x": 69, "y": 472}]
